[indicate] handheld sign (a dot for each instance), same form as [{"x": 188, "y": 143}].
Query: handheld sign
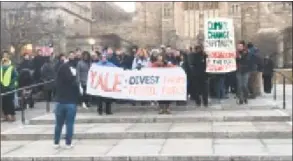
[{"x": 220, "y": 45}]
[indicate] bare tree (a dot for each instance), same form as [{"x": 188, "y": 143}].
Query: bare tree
[{"x": 27, "y": 25}]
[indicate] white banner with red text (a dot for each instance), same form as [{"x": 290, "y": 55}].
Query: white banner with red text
[
  {"x": 220, "y": 45},
  {"x": 147, "y": 84}
]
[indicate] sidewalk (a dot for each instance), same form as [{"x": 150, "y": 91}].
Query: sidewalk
[
  {"x": 39, "y": 110},
  {"x": 279, "y": 101}
]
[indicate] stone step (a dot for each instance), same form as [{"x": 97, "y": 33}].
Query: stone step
[
  {"x": 157, "y": 131},
  {"x": 189, "y": 107},
  {"x": 150, "y": 150},
  {"x": 176, "y": 117}
]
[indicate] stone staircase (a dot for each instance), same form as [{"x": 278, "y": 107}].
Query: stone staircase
[{"x": 223, "y": 132}]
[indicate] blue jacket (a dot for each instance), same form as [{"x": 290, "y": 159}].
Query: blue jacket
[
  {"x": 253, "y": 58},
  {"x": 113, "y": 59},
  {"x": 105, "y": 63}
]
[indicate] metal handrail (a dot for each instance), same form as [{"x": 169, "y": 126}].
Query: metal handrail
[
  {"x": 27, "y": 87},
  {"x": 284, "y": 86},
  {"x": 22, "y": 97}
]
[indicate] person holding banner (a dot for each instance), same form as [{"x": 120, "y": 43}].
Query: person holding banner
[
  {"x": 104, "y": 62},
  {"x": 141, "y": 61},
  {"x": 161, "y": 63}
]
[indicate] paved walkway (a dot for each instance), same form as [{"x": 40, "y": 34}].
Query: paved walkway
[
  {"x": 39, "y": 110},
  {"x": 153, "y": 149},
  {"x": 224, "y": 131}
]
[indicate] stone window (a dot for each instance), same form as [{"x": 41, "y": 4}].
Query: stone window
[
  {"x": 167, "y": 12},
  {"x": 236, "y": 8},
  {"x": 191, "y": 5}
]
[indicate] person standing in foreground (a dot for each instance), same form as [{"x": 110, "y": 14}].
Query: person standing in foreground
[{"x": 67, "y": 96}]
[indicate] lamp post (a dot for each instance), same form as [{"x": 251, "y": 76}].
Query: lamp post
[{"x": 92, "y": 42}]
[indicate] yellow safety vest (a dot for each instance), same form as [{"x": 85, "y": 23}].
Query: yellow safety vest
[{"x": 6, "y": 77}]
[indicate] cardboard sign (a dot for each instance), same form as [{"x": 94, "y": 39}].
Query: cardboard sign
[{"x": 220, "y": 45}]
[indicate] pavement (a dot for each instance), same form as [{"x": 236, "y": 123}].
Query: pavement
[
  {"x": 152, "y": 149},
  {"x": 259, "y": 131}
]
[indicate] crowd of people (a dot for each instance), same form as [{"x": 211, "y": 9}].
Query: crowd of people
[
  {"x": 70, "y": 74},
  {"x": 201, "y": 85}
]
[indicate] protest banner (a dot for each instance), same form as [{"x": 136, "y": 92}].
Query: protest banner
[
  {"x": 220, "y": 45},
  {"x": 145, "y": 84}
]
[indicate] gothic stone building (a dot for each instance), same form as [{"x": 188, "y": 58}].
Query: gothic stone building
[{"x": 181, "y": 24}]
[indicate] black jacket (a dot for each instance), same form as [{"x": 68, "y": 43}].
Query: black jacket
[
  {"x": 244, "y": 62},
  {"x": 172, "y": 59},
  {"x": 48, "y": 74},
  {"x": 67, "y": 89},
  {"x": 197, "y": 64},
  {"x": 126, "y": 62},
  {"x": 25, "y": 71},
  {"x": 38, "y": 62},
  {"x": 268, "y": 67},
  {"x": 25, "y": 64}
]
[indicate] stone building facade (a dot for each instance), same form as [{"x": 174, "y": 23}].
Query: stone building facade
[
  {"x": 73, "y": 18},
  {"x": 180, "y": 24},
  {"x": 111, "y": 25}
]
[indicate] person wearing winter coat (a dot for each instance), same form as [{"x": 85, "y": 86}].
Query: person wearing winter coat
[
  {"x": 268, "y": 72},
  {"x": 25, "y": 78},
  {"x": 104, "y": 100},
  {"x": 8, "y": 82},
  {"x": 112, "y": 57},
  {"x": 141, "y": 60},
  {"x": 164, "y": 106},
  {"x": 67, "y": 94},
  {"x": 198, "y": 76},
  {"x": 243, "y": 62},
  {"x": 82, "y": 69},
  {"x": 48, "y": 74}
]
